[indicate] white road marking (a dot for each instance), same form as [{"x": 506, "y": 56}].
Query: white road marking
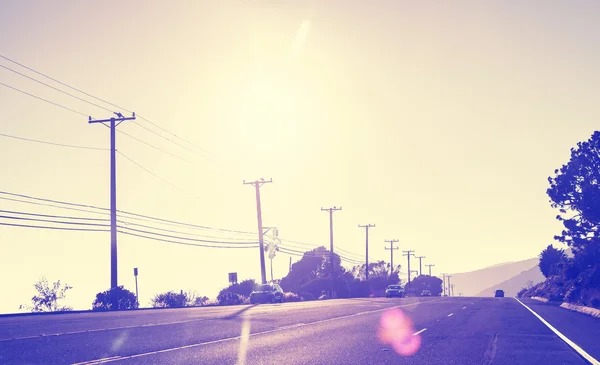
[
  {"x": 419, "y": 332},
  {"x": 450, "y": 315},
  {"x": 99, "y": 361},
  {"x": 573, "y": 345},
  {"x": 464, "y": 308},
  {"x": 119, "y": 358}
]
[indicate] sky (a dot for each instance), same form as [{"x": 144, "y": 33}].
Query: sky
[{"x": 437, "y": 122}]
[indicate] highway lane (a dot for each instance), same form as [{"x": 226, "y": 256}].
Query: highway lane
[{"x": 454, "y": 331}]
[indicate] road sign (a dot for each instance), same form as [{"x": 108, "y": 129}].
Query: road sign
[
  {"x": 233, "y": 277},
  {"x": 135, "y": 271}
]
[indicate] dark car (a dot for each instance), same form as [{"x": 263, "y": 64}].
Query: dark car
[
  {"x": 267, "y": 293},
  {"x": 499, "y": 293},
  {"x": 394, "y": 291}
]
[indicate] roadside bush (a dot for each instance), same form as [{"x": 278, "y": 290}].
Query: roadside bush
[
  {"x": 306, "y": 296},
  {"x": 521, "y": 292},
  {"x": 228, "y": 298},
  {"x": 114, "y": 299},
  {"x": 291, "y": 297},
  {"x": 170, "y": 300}
]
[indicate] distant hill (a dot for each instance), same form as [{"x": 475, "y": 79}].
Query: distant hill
[
  {"x": 480, "y": 281},
  {"x": 512, "y": 286}
]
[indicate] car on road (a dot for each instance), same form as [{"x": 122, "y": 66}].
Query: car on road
[
  {"x": 499, "y": 293},
  {"x": 426, "y": 293},
  {"x": 267, "y": 293},
  {"x": 394, "y": 291}
]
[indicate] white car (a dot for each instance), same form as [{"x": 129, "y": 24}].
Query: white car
[{"x": 425, "y": 293}]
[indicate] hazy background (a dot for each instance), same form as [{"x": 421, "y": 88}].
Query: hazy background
[{"x": 438, "y": 122}]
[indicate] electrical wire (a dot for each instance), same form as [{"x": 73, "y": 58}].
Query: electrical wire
[
  {"x": 54, "y": 221},
  {"x": 42, "y": 99},
  {"x": 55, "y": 216},
  {"x": 52, "y": 206},
  {"x": 178, "y": 232},
  {"x": 130, "y": 215},
  {"x": 54, "y": 228},
  {"x": 156, "y": 176},
  {"x": 62, "y": 83},
  {"x": 181, "y": 243},
  {"x": 55, "y": 88},
  {"x": 185, "y": 238},
  {"x": 106, "y": 102},
  {"x": 166, "y": 138},
  {"x": 53, "y": 143}
]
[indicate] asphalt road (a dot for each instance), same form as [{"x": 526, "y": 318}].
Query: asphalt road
[{"x": 460, "y": 331}]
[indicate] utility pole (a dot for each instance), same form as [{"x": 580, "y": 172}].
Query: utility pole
[
  {"x": 112, "y": 124},
  {"x": 392, "y": 248},
  {"x": 452, "y": 287},
  {"x": 257, "y": 184},
  {"x": 444, "y": 284},
  {"x": 429, "y": 266},
  {"x": 449, "y": 292},
  {"x": 408, "y": 254},
  {"x": 290, "y": 263},
  {"x": 420, "y": 264},
  {"x": 331, "y": 210},
  {"x": 366, "y": 227}
]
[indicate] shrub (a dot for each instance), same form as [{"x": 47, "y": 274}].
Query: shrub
[
  {"x": 305, "y": 296},
  {"x": 291, "y": 297},
  {"x": 228, "y": 298},
  {"x": 114, "y": 299},
  {"x": 170, "y": 300}
]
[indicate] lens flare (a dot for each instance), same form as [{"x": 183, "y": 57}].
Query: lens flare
[{"x": 396, "y": 330}]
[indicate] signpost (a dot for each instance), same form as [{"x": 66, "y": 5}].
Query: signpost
[
  {"x": 233, "y": 278},
  {"x": 137, "y": 300}
]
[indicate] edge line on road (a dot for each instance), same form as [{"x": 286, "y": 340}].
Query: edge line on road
[
  {"x": 278, "y": 329},
  {"x": 573, "y": 345},
  {"x": 419, "y": 332}
]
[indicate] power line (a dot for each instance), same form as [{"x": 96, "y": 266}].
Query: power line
[
  {"x": 156, "y": 176},
  {"x": 55, "y": 88},
  {"x": 167, "y": 138},
  {"x": 54, "y": 228},
  {"x": 182, "y": 243},
  {"x": 53, "y": 216},
  {"x": 42, "y": 99},
  {"x": 52, "y": 206},
  {"x": 178, "y": 232},
  {"x": 185, "y": 238},
  {"x": 176, "y": 136},
  {"x": 133, "y": 215},
  {"x": 62, "y": 83},
  {"x": 106, "y": 102},
  {"x": 53, "y": 221},
  {"x": 53, "y": 143}
]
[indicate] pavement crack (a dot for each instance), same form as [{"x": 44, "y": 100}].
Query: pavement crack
[{"x": 490, "y": 352}]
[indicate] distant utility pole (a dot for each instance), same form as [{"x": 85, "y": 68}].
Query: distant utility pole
[
  {"x": 137, "y": 296},
  {"x": 366, "y": 227},
  {"x": 257, "y": 184},
  {"x": 444, "y": 283},
  {"x": 408, "y": 254},
  {"x": 113, "y": 123},
  {"x": 392, "y": 248},
  {"x": 452, "y": 287},
  {"x": 449, "y": 292},
  {"x": 331, "y": 210},
  {"x": 429, "y": 266},
  {"x": 290, "y": 263},
  {"x": 420, "y": 264}
]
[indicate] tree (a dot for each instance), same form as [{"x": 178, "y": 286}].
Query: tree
[
  {"x": 243, "y": 288},
  {"x": 378, "y": 269},
  {"x": 47, "y": 297},
  {"x": 550, "y": 258},
  {"x": 170, "y": 300},
  {"x": 426, "y": 282},
  {"x": 575, "y": 191},
  {"x": 314, "y": 264},
  {"x": 116, "y": 298}
]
